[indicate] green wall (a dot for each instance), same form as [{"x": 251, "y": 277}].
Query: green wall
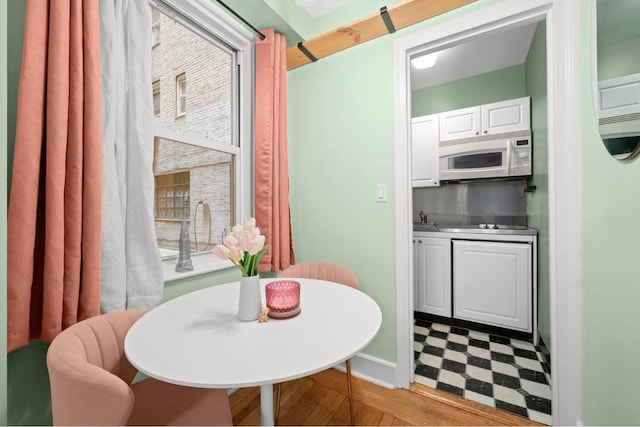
[
  {"x": 619, "y": 59},
  {"x": 499, "y": 85},
  {"x": 340, "y": 147},
  {"x": 538, "y": 201},
  {"x": 610, "y": 275},
  {"x": 15, "y": 25},
  {"x": 3, "y": 215},
  {"x": 341, "y": 144}
]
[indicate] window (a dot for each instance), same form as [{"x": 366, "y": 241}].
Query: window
[
  {"x": 156, "y": 98},
  {"x": 172, "y": 196},
  {"x": 155, "y": 26},
  {"x": 201, "y": 166},
  {"x": 181, "y": 94}
]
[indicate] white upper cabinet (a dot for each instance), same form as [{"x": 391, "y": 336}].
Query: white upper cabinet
[
  {"x": 619, "y": 96},
  {"x": 458, "y": 124},
  {"x": 506, "y": 116},
  {"x": 499, "y": 117},
  {"x": 424, "y": 151}
]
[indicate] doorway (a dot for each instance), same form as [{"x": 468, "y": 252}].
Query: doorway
[
  {"x": 508, "y": 67},
  {"x": 564, "y": 175}
]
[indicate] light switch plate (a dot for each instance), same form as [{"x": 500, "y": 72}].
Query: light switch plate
[{"x": 381, "y": 192}]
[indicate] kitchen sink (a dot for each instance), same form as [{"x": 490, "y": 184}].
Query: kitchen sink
[
  {"x": 475, "y": 228},
  {"x": 428, "y": 226}
]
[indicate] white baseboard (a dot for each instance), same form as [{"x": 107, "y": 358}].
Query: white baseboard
[{"x": 372, "y": 369}]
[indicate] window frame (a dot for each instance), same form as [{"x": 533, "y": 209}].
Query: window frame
[
  {"x": 156, "y": 91},
  {"x": 155, "y": 30},
  {"x": 212, "y": 23},
  {"x": 181, "y": 93}
]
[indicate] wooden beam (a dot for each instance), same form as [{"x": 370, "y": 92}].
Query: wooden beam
[{"x": 402, "y": 15}]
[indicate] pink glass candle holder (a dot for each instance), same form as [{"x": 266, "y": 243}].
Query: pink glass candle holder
[{"x": 283, "y": 297}]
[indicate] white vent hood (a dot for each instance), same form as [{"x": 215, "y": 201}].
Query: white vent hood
[
  {"x": 619, "y": 115},
  {"x": 620, "y": 126}
]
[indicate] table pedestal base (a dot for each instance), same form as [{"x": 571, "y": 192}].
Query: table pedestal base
[{"x": 266, "y": 405}]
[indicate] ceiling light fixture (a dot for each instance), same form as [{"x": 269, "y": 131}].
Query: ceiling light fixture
[{"x": 426, "y": 61}]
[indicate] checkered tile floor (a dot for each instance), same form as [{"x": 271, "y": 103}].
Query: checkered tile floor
[{"x": 503, "y": 373}]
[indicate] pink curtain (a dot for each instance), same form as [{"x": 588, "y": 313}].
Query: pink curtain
[
  {"x": 54, "y": 217},
  {"x": 271, "y": 165}
]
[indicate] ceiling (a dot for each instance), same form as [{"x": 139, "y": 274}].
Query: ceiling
[
  {"x": 317, "y": 8},
  {"x": 481, "y": 54}
]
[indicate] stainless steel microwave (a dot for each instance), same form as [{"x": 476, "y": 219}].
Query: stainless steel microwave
[{"x": 486, "y": 157}]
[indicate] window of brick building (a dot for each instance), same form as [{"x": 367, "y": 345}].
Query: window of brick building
[
  {"x": 172, "y": 196},
  {"x": 181, "y": 94},
  {"x": 155, "y": 26},
  {"x": 202, "y": 162},
  {"x": 156, "y": 98}
]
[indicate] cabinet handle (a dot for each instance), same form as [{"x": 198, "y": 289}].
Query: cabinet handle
[
  {"x": 477, "y": 133},
  {"x": 485, "y": 131},
  {"x": 419, "y": 241}
]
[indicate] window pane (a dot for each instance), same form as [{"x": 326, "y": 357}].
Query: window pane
[
  {"x": 209, "y": 70},
  {"x": 156, "y": 98},
  {"x": 195, "y": 184},
  {"x": 155, "y": 26}
]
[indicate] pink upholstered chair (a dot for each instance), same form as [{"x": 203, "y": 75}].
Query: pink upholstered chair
[
  {"x": 91, "y": 382},
  {"x": 323, "y": 271}
]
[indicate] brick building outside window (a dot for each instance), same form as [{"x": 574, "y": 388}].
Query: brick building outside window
[{"x": 194, "y": 150}]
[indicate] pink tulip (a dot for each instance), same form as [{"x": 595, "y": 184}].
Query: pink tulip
[
  {"x": 243, "y": 240},
  {"x": 230, "y": 241},
  {"x": 249, "y": 224},
  {"x": 235, "y": 254},
  {"x": 221, "y": 251},
  {"x": 256, "y": 245}
]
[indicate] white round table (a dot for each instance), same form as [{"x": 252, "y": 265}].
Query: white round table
[{"x": 197, "y": 340}]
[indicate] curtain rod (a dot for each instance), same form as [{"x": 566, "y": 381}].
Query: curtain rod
[{"x": 260, "y": 34}]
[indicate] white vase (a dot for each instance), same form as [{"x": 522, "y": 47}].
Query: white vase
[{"x": 249, "y": 302}]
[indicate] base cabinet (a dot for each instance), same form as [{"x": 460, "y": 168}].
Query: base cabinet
[
  {"x": 492, "y": 283},
  {"x": 433, "y": 278}
]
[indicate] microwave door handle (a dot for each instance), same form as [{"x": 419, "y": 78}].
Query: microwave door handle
[{"x": 508, "y": 165}]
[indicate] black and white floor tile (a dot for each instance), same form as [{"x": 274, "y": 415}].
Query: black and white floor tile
[{"x": 500, "y": 372}]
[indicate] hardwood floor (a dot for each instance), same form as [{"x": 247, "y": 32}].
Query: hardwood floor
[{"x": 321, "y": 400}]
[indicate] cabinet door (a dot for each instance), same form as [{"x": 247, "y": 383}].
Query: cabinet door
[
  {"x": 492, "y": 283},
  {"x": 457, "y": 124},
  {"x": 619, "y": 96},
  {"x": 506, "y": 116},
  {"x": 424, "y": 151},
  {"x": 434, "y": 276}
]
